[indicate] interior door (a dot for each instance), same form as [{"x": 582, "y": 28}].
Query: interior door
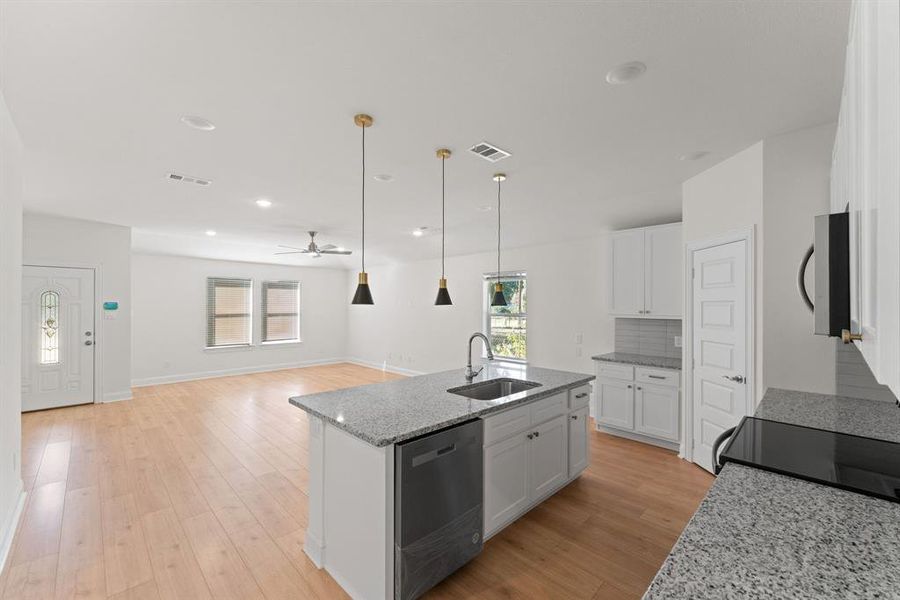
[
  {"x": 57, "y": 337},
  {"x": 720, "y": 344},
  {"x": 627, "y": 292}
]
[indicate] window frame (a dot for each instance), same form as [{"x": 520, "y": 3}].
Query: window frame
[
  {"x": 489, "y": 280},
  {"x": 264, "y": 315},
  {"x": 211, "y": 316}
]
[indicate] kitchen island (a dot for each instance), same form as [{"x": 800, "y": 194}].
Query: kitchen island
[
  {"x": 758, "y": 534},
  {"x": 535, "y": 442}
]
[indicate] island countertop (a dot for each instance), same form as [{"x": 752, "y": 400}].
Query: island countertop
[
  {"x": 387, "y": 413},
  {"x": 759, "y": 534}
]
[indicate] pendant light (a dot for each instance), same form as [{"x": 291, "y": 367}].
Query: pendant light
[
  {"x": 363, "y": 295},
  {"x": 499, "y": 299},
  {"x": 443, "y": 296}
]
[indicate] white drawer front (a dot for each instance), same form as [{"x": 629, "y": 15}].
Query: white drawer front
[
  {"x": 546, "y": 409},
  {"x": 657, "y": 376},
  {"x": 507, "y": 423},
  {"x": 579, "y": 397},
  {"x": 615, "y": 371}
]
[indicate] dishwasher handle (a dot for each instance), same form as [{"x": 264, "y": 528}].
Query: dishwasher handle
[{"x": 427, "y": 457}]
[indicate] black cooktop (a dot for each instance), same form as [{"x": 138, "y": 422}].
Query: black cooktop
[{"x": 850, "y": 462}]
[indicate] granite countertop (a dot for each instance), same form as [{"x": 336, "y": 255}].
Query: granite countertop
[
  {"x": 391, "y": 412},
  {"x": 644, "y": 360},
  {"x": 758, "y": 534}
]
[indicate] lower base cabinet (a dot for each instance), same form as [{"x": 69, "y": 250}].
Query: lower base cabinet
[
  {"x": 524, "y": 468},
  {"x": 656, "y": 411},
  {"x": 640, "y": 400}
]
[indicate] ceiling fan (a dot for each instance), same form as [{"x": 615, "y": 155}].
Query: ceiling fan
[{"x": 314, "y": 249}]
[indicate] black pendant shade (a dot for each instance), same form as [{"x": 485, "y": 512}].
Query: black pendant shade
[
  {"x": 499, "y": 299},
  {"x": 443, "y": 296},
  {"x": 363, "y": 294}
]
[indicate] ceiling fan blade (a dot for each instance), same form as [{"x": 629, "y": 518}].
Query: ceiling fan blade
[
  {"x": 327, "y": 247},
  {"x": 341, "y": 252},
  {"x": 290, "y": 247},
  {"x": 291, "y": 252}
]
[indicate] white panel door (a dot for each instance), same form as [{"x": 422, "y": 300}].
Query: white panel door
[
  {"x": 506, "y": 489},
  {"x": 615, "y": 403},
  {"x": 656, "y": 410},
  {"x": 579, "y": 452},
  {"x": 549, "y": 451},
  {"x": 663, "y": 273},
  {"x": 720, "y": 345},
  {"x": 627, "y": 272},
  {"x": 57, "y": 337}
]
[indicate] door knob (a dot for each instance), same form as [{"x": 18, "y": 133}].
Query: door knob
[
  {"x": 88, "y": 343},
  {"x": 735, "y": 378},
  {"x": 88, "y": 333}
]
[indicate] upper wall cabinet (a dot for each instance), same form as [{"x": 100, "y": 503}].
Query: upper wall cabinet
[
  {"x": 865, "y": 177},
  {"x": 647, "y": 272}
]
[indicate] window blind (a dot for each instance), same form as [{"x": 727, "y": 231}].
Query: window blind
[
  {"x": 228, "y": 312},
  {"x": 280, "y": 311}
]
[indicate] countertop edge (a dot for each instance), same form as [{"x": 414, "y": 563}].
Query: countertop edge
[{"x": 382, "y": 442}]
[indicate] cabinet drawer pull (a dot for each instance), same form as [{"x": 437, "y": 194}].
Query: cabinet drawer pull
[
  {"x": 639, "y": 388},
  {"x": 537, "y": 434},
  {"x": 530, "y": 436},
  {"x": 656, "y": 376},
  {"x": 574, "y": 417},
  {"x": 581, "y": 395}
]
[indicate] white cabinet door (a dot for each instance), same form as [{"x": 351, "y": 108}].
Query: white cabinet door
[
  {"x": 578, "y": 442},
  {"x": 506, "y": 489},
  {"x": 627, "y": 272},
  {"x": 656, "y": 411},
  {"x": 663, "y": 272},
  {"x": 615, "y": 404},
  {"x": 548, "y": 457}
]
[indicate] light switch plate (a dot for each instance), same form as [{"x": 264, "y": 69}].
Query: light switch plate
[{"x": 579, "y": 338}]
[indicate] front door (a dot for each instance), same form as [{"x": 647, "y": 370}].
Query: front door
[
  {"x": 57, "y": 337},
  {"x": 720, "y": 343}
]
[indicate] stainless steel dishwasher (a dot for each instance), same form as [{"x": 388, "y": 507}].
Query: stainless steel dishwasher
[{"x": 438, "y": 497}]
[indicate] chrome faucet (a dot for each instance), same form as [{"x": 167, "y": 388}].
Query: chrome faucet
[{"x": 470, "y": 374}]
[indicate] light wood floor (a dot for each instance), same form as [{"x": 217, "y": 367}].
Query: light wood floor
[{"x": 198, "y": 490}]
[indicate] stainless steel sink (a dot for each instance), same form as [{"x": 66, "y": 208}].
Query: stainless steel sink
[{"x": 493, "y": 388}]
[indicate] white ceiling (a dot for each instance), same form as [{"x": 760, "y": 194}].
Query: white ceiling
[{"x": 97, "y": 89}]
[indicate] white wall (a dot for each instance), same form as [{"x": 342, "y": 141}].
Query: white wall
[
  {"x": 59, "y": 241},
  {"x": 11, "y": 494},
  {"x": 796, "y": 188},
  {"x": 567, "y": 295},
  {"x": 724, "y": 198},
  {"x": 169, "y": 297}
]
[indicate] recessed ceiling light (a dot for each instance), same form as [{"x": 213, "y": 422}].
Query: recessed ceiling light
[
  {"x": 210, "y": 232},
  {"x": 384, "y": 177},
  {"x": 198, "y": 122},
  {"x": 693, "y": 155},
  {"x": 420, "y": 231},
  {"x": 263, "y": 203},
  {"x": 626, "y": 73}
]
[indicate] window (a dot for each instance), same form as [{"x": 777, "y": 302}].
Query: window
[
  {"x": 280, "y": 311},
  {"x": 228, "y": 312},
  {"x": 49, "y": 328},
  {"x": 506, "y": 326}
]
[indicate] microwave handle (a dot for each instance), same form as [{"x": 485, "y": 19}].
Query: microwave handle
[{"x": 801, "y": 278}]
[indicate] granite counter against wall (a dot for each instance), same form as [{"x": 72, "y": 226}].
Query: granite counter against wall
[{"x": 762, "y": 535}]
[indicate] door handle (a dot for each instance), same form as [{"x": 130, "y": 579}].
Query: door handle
[
  {"x": 581, "y": 395},
  {"x": 734, "y": 378},
  {"x": 88, "y": 343},
  {"x": 574, "y": 417}
]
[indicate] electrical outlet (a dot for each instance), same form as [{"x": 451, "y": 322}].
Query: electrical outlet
[
  {"x": 678, "y": 341},
  {"x": 579, "y": 338}
]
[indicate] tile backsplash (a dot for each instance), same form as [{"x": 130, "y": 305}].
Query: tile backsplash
[{"x": 653, "y": 337}]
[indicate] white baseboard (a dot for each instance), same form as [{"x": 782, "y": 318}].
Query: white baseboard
[
  {"x": 226, "y": 372},
  {"x": 117, "y": 396},
  {"x": 384, "y": 367},
  {"x": 9, "y": 527},
  {"x": 637, "y": 437}
]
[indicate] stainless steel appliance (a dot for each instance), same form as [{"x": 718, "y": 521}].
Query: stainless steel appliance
[
  {"x": 832, "y": 295},
  {"x": 438, "y": 506}
]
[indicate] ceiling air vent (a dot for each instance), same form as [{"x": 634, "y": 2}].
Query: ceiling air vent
[
  {"x": 489, "y": 152},
  {"x": 181, "y": 177}
]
